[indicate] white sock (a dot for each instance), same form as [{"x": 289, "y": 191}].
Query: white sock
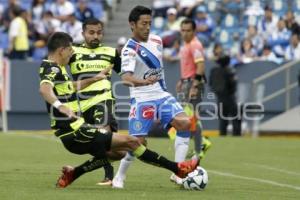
[
  {"x": 124, "y": 165},
  {"x": 181, "y": 148}
]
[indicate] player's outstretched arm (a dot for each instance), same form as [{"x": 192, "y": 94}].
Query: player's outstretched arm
[
  {"x": 81, "y": 84},
  {"x": 46, "y": 90}
]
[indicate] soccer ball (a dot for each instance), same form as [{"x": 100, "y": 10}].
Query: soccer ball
[{"x": 196, "y": 180}]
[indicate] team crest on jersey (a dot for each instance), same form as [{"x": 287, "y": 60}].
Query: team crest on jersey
[
  {"x": 55, "y": 69},
  {"x": 137, "y": 125}
]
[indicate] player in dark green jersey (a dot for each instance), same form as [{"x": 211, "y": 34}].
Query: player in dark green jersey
[
  {"x": 77, "y": 136},
  {"x": 96, "y": 101}
]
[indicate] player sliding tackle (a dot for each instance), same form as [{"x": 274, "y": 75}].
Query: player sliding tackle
[
  {"x": 142, "y": 71},
  {"x": 78, "y": 137}
]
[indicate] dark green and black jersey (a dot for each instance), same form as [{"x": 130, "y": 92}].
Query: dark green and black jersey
[
  {"x": 57, "y": 76},
  {"x": 86, "y": 63}
]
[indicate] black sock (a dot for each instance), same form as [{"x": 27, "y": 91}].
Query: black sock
[
  {"x": 109, "y": 172},
  {"x": 89, "y": 166},
  {"x": 153, "y": 158}
]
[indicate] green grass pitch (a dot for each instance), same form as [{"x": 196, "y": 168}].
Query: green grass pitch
[{"x": 238, "y": 168}]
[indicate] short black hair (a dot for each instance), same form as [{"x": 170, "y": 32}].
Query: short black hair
[
  {"x": 189, "y": 21},
  {"x": 57, "y": 40},
  {"x": 137, "y": 11},
  {"x": 91, "y": 21}
]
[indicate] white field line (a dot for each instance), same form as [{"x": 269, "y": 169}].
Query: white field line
[
  {"x": 255, "y": 179},
  {"x": 274, "y": 169}
]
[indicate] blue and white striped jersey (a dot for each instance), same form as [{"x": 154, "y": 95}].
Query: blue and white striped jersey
[{"x": 144, "y": 59}]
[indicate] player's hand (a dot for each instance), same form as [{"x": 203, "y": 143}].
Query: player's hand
[
  {"x": 151, "y": 80},
  {"x": 67, "y": 111},
  {"x": 107, "y": 70},
  {"x": 179, "y": 86}
]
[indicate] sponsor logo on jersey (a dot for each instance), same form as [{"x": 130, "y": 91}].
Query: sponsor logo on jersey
[
  {"x": 154, "y": 72},
  {"x": 148, "y": 112},
  {"x": 137, "y": 125},
  {"x": 55, "y": 69},
  {"x": 143, "y": 53}
]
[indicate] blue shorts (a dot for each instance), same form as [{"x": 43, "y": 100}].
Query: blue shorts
[{"x": 143, "y": 114}]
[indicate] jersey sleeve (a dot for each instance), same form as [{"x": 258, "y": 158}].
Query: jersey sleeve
[
  {"x": 197, "y": 52},
  {"x": 48, "y": 74},
  {"x": 128, "y": 60}
]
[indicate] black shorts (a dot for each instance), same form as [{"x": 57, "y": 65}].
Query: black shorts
[
  {"x": 102, "y": 114},
  {"x": 86, "y": 140}
]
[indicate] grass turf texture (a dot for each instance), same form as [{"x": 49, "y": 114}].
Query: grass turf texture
[{"x": 238, "y": 168}]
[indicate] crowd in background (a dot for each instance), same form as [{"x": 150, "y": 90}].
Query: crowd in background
[
  {"x": 248, "y": 30},
  {"x": 26, "y": 24}
]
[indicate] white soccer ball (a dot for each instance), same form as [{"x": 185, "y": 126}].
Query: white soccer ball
[{"x": 196, "y": 180}]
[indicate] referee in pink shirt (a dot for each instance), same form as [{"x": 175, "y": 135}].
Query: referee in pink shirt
[{"x": 190, "y": 88}]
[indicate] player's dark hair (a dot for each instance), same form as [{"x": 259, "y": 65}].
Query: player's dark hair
[
  {"x": 91, "y": 21},
  {"x": 189, "y": 21},
  {"x": 137, "y": 11},
  {"x": 58, "y": 40}
]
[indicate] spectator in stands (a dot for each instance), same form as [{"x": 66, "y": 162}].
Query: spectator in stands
[
  {"x": 218, "y": 51},
  {"x": 83, "y": 12},
  {"x": 172, "y": 23},
  {"x": 293, "y": 50},
  {"x": 291, "y": 23},
  {"x": 61, "y": 9},
  {"x": 267, "y": 24},
  {"x": 223, "y": 82},
  {"x": 279, "y": 38},
  {"x": 12, "y": 4},
  {"x": 2, "y": 28},
  {"x": 185, "y": 7},
  {"x": 257, "y": 40},
  {"x": 269, "y": 55},
  {"x": 37, "y": 9},
  {"x": 205, "y": 25},
  {"x": 74, "y": 28},
  {"x": 160, "y": 7},
  {"x": 47, "y": 26},
  {"x": 247, "y": 52},
  {"x": 120, "y": 44},
  {"x": 18, "y": 35}
]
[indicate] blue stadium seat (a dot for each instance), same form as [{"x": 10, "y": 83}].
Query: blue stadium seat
[
  {"x": 26, "y": 4},
  {"x": 97, "y": 8},
  {"x": 225, "y": 39},
  {"x": 211, "y": 6},
  {"x": 39, "y": 53},
  {"x": 230, "y": 21},
  {"x": 4, "y": 40}
]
